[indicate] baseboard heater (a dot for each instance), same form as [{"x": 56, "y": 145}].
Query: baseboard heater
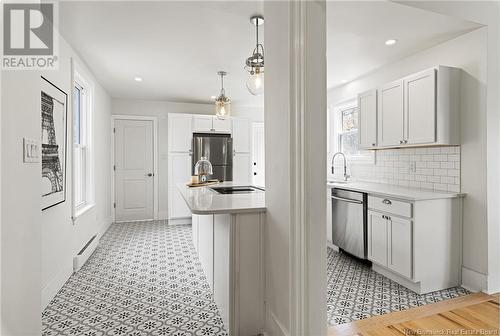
[{"x": 85, "y": 253}]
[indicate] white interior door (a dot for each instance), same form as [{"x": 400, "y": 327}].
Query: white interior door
[
  {"x": 134, "y": 170},
  {"x": 258, "y": 155}
]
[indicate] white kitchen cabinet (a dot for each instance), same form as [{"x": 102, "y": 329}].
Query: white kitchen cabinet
[
  {"x": 367, "y": 123},
  {"x": 420, "y": 107},
  {"x": 242, "y": 168},
  {"x": 258, "y": 155},
  {"x": 390, "y": 114},
  {"x": 222, "y": 265},
  {"x": 241, "y": 135},
  {"x": 399, "y": 245},
  {"x": 202, "y": 123},
  {"x": 207, "y": 123},
  {"x": 179, "y": 132},
  {"x": 179, "y": 171},
  {"x": 222, "y": 125},
  {"x": 418, "y": 243},
  {"x": 206, "y": 246},
  {"x": 377, "y": 238}
]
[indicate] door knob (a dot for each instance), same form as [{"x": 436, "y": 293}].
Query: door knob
[
  {"x": 149, "y": 174},
  {"x": 255, "y": 173}
]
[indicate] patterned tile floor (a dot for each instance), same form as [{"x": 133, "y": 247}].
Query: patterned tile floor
[
  {"x": 143, "y": 279},
  {"x": 356, "y": 292}
]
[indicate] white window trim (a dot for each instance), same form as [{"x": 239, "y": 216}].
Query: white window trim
[
  {"x": 368, "y": 156},
  {"x": 82, "y": 80}
]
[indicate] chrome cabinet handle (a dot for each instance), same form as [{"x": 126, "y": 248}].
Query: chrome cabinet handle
[
  {"x": 373, "y": 144},
  {"x": 400, "y": 142},
  {"x": 149, "y": 174},
  {"x": 386, "y": 217},
  {"x": 386, "y": 201}
]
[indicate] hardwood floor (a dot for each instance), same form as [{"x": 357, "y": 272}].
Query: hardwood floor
[{"x": 474, "y": 314}]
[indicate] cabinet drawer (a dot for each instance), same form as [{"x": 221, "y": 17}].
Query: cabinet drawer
[{"x": 390, "y": 205}]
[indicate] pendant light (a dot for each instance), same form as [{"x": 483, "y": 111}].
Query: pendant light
[
  {"x": 222, "y": 102},
  {"x": 255, "y": 63}
]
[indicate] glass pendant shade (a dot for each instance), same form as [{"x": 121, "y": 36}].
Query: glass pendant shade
[
  {"x": 255, "y": 83},
  {"x": 222, "y": 102},
  {"x": 223, "y": 108}
]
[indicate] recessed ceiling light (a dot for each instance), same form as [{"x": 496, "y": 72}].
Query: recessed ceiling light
[
  {"x": 138, "y": 79},
  {"x": 390, "y": 42}
]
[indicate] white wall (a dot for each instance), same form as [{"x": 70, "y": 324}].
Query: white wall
[
  {"x": 295, "y": 135},
  {"x": 468, "y": 52},
  {"x": 38, "y": 247},
  {"x": 61, "y": 238},
  {"x": 487, "y": 13}
]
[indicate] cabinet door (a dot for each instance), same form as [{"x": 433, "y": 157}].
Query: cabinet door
[
  {"x": 221, "y": 125},
  {"x": 194, "y": 231},
  {"x": 179, "y": 171},
  {"x": 242, "y": 168},
  {"x": 377, "y": 238},
  {"x": 206, "y": 246},
  {"x": 390, "y": 114},
  {"x": 179, "y": 132},
  {"x": 367, "y": 114},
  {"x": 241, "y": 135},
  {"x": 420, "y": 107},
  {"x": 400, "y": 246},
  {"x": 258, "y": 155},
  {"x": 202, "y": 124}
]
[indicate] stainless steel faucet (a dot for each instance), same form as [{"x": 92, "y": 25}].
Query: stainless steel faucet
[{"x": 345, "y": 165}]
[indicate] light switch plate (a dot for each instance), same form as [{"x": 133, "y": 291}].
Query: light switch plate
[{"x": 31, "y": 150}]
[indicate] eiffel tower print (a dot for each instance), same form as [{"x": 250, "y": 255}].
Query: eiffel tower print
[{"x": 51, "y": 164}]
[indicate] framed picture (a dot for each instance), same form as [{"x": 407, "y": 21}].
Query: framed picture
[{"x": 53, "y": 105}]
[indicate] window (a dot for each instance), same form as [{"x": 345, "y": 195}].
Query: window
[
  {"x": 343, "y": 132},
  {"x": 83, "y": 196}
]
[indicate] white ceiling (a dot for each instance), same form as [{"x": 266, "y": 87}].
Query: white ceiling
[
  {"x": 178, "y": 47},
  {"x": 357, "y": 31}
]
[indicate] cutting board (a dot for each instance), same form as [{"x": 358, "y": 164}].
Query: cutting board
[{"x": 202, "y": 184}]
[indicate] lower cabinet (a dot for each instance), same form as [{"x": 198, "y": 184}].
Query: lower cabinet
[
  {"x": 400, "y": 246},
  {"x": 194, "y": 231},
  {"x": 416, "y": 243},
  {"x": 390, "y": 242},
  {"x": 377, "y": 238}
]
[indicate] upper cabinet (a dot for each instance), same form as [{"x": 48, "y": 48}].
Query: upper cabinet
[
  {"x": 420, "y": 109},
  {"x": 179, "y": 132},
  {"x": 390, "y": 114},
  {"x": 241, "y": 135},
  {"x": 367, "y": 112},
  {"x": 205, "y": 124}
]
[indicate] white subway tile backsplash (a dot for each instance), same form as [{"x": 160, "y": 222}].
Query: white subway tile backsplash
[{"x": 436, "y": 168}]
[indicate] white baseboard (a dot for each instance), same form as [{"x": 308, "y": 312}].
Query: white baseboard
[
  {"x": 86, "y": 252},
  {"x": 50, "y": 291},
  {"x": 474, "y": 281},
  {"x": 273, "y": 326},
  {"x": 177, "y": 221},
  {"x": 162, "y": 215}
]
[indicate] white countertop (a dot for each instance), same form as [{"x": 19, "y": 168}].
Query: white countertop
[
  {"x": 388, "y": 190},
  {"x": 204, "y": 201}
]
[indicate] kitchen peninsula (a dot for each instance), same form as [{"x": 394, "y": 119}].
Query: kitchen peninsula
[{"x": 228, "y": 236}]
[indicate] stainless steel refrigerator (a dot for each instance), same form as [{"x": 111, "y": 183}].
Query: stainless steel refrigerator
[{"x": 218, "y": 149}]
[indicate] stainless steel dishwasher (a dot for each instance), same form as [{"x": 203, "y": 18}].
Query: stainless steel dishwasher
[{"x": 349, "y": 222}]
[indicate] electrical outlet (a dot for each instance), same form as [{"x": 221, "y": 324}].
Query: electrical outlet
[
  {"x": 413, "y": 167},
  {"x": 31, "y": 150}
]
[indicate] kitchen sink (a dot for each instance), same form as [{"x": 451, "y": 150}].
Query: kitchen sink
[{"x": 237, "y": 190}]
